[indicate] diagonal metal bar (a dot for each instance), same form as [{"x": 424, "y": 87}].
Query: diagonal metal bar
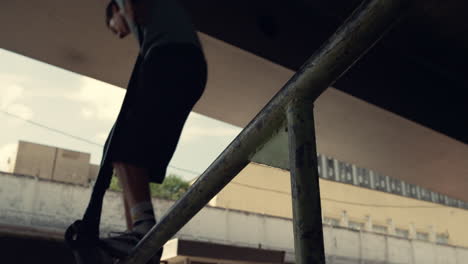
[{"x": 359, "y": 33}]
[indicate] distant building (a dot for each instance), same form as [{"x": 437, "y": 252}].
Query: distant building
[
  {"x": 52, "y": 163},
  {"x": 357, "y": 199}
]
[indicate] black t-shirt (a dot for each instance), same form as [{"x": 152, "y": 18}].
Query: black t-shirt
[{"x": 167, "y": 23}]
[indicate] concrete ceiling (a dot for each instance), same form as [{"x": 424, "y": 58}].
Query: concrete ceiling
[
  {"x": 72, "y": 35},
  {"x": 418, "y": 66}
]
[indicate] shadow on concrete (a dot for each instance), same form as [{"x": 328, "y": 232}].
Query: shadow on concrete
[{"x": 19, "y": 250}]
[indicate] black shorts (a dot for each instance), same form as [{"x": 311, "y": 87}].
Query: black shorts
[{"x": 165, "y": 85}]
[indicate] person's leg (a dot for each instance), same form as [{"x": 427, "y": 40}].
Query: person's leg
[
  {"x": 137, "y": 198},
  {"x": 170, "y": 81},
  {"x": 163, "y": 95},
  {"x": 139, "y": 212},
  {"x": 128, "y": 218}
]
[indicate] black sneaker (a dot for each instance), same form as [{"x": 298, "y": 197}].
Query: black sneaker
[{"x": 120, "y": 244}]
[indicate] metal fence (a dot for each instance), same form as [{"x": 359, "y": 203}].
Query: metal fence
[{"x": 293, "y": 105}]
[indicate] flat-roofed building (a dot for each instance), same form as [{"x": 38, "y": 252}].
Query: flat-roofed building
[{"x": 52, "y": 163}]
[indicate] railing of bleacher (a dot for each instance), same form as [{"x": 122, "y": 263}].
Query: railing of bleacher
[{"x": 292, "y": 105}]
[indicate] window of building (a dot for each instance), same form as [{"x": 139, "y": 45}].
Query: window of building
[
  {"x": 331, "y": 221},
  {"x": 442, "y": 238},
  {"x": 380, "y": 229},
  {"x": 422, "y": 236},
  {"x": 402, "y": 232},
  {"x": 356, "y": 225}
]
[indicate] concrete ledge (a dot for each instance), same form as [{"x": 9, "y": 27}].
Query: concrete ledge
[
  {"x": 177, "y": 248},
  {"x": 31, "y": 232}
]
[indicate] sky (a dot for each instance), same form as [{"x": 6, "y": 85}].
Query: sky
[{"x": 79, "y": 106}]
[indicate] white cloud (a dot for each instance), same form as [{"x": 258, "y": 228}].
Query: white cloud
[
  {"x": 101, "y": 137},
  {"x": 10, "y": 94},
  {"x": 7, "y": 156},
  {"x": 11, "y": 78},
  {"x": 21, "y": 111},
  {"x": 100, "y": 100},
  {"x": 87, "y": 113},
  {"x": 194, "y": 132}
]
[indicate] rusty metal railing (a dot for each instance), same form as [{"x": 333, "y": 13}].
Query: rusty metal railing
[{"x": 292, "y": 104}]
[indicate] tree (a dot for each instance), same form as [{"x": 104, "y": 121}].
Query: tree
[{"x": 172, "y": 188}]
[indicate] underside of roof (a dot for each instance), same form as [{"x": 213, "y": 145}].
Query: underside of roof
[{"x": 416, "y": 70}]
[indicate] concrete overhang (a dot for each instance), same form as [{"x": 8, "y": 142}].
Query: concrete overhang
[
  {"x": 205, "y": 252},
  {"x": 72, "y": 35}
]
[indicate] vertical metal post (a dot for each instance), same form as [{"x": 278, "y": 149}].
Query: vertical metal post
[{"x": 307, "y": 215}]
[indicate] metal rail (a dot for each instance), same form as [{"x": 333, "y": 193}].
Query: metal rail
[
  {"x": 305, "y": 190},
  {"x": 359, "y": 33}
]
